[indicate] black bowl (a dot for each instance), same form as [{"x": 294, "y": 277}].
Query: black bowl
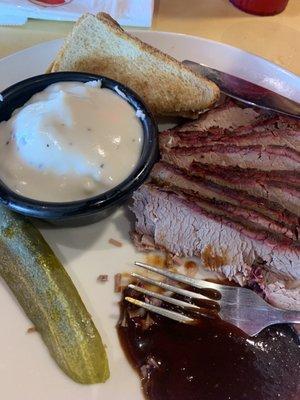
[{"x": 94, "y": 208}]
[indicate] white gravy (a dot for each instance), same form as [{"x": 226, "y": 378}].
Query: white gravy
[{"x": 69, "y": 142}]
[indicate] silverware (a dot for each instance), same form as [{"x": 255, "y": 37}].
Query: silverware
[
  {"x": 247, "y": 92},
  {"x": 239, "y": 306}
]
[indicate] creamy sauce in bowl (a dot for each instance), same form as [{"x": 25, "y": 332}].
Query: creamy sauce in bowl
[{"x": 69, "y": 142}]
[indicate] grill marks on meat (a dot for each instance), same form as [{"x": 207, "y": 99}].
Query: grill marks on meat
[
  {"x": 235, "y": 202},
  {"x": 181, "y": 225}
]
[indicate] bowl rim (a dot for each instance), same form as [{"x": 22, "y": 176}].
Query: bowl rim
[{"x": 95, "y": 204}]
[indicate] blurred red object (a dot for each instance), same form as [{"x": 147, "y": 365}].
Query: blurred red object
[
  {"x": 261, "y": 7},
  {"x": 50, "y": 2}
]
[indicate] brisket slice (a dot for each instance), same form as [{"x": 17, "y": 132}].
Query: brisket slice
[
  {"x": 277, "y": 291},
  {"x": 239, "y": 203},
  {"x": 281, "y": 187},
  {"x": 229, "y": 115},
  {"x": 180, "y": 224},
  {"x": 265, "y": 158},
  {"x": 264, "y": 134},
  {"x": 280, "y": 293},
  {"x": 273, "y": 287}
]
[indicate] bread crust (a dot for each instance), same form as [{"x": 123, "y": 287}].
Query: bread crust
[{"x": 159, "y": 104}]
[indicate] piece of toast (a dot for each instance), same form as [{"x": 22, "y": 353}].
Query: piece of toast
[{"x": 97, "y": 44}]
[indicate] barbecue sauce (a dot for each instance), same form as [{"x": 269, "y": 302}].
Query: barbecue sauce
[{"x": 210, "y": 361}]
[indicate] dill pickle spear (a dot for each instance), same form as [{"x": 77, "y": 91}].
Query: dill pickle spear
[{"x": 50, "y": 299}]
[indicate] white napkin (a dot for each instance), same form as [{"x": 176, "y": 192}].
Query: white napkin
[{"x": 126, "y": 12}]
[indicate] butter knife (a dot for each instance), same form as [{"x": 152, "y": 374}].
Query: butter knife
[{"x": 247, "y": 92}]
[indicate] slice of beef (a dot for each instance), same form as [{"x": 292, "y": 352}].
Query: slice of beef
[
  {"x": 228, "y": 115},
  {"x": 182, "y": 226},
  {"x": 277, "y": 291},
  {"x": 265, "y": 158},
  {"x": 143, "y": 242},
  {"x": 282, "y": 187},
  {"x": 237, "y": 202},
  {"x": 237, "y": 174},
  {"x": 264, "y": 134},
  {"x": 273, "y": 287},
  {"x": 282, "y": 294}
]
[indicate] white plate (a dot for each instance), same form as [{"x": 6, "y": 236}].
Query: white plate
[{"x": 26, "y": 370}]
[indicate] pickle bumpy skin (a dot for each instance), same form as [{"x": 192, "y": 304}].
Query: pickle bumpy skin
[{"x": 50, "y": 299}]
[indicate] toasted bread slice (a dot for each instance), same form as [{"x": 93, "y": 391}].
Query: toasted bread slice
[{"x": 97, "y": 44}]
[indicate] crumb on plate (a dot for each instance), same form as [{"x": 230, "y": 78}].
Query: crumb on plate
[
  {"x": 115, "y": 242},
  {"x": 31, "y": 329},
  {"x": 102, "y": 278}
]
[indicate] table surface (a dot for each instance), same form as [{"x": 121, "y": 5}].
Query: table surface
[{"x": 276, "y": 38}]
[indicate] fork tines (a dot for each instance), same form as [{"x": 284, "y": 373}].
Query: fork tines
[
  {"x": 192, "y": 309},
  {"x": 162, "y": 311},
  {"x": 171, "y": 288}
]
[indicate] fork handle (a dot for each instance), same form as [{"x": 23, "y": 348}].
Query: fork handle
[{"x": 290, "y": 316}]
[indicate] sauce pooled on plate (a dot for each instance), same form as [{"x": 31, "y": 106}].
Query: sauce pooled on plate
[{"x": 209, "y": 361}]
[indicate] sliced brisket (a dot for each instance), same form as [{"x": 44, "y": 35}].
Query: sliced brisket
[
  {"x": 281, "y": 187},
  {"x": 266, "y": 133},
  {"x": 229, "y": 115},
  {"x": 227, "y": 190},
  {"x": 237, "y": 202},
  {"x": 187, "y": 226},
  {"x": 280, "y": 293},
  {"x": 265, "y": 158},
  {"x": 277, "y": 291}
]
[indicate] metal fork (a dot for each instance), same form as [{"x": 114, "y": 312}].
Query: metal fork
[{"x": 239, "y": 306}]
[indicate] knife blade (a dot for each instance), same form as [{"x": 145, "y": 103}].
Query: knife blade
[{"x": 247, "y": 92}]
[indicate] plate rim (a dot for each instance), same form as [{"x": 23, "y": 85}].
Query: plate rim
[
  {"x": 166, "y": 33},
  {"x": 145, "y": 33}
]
